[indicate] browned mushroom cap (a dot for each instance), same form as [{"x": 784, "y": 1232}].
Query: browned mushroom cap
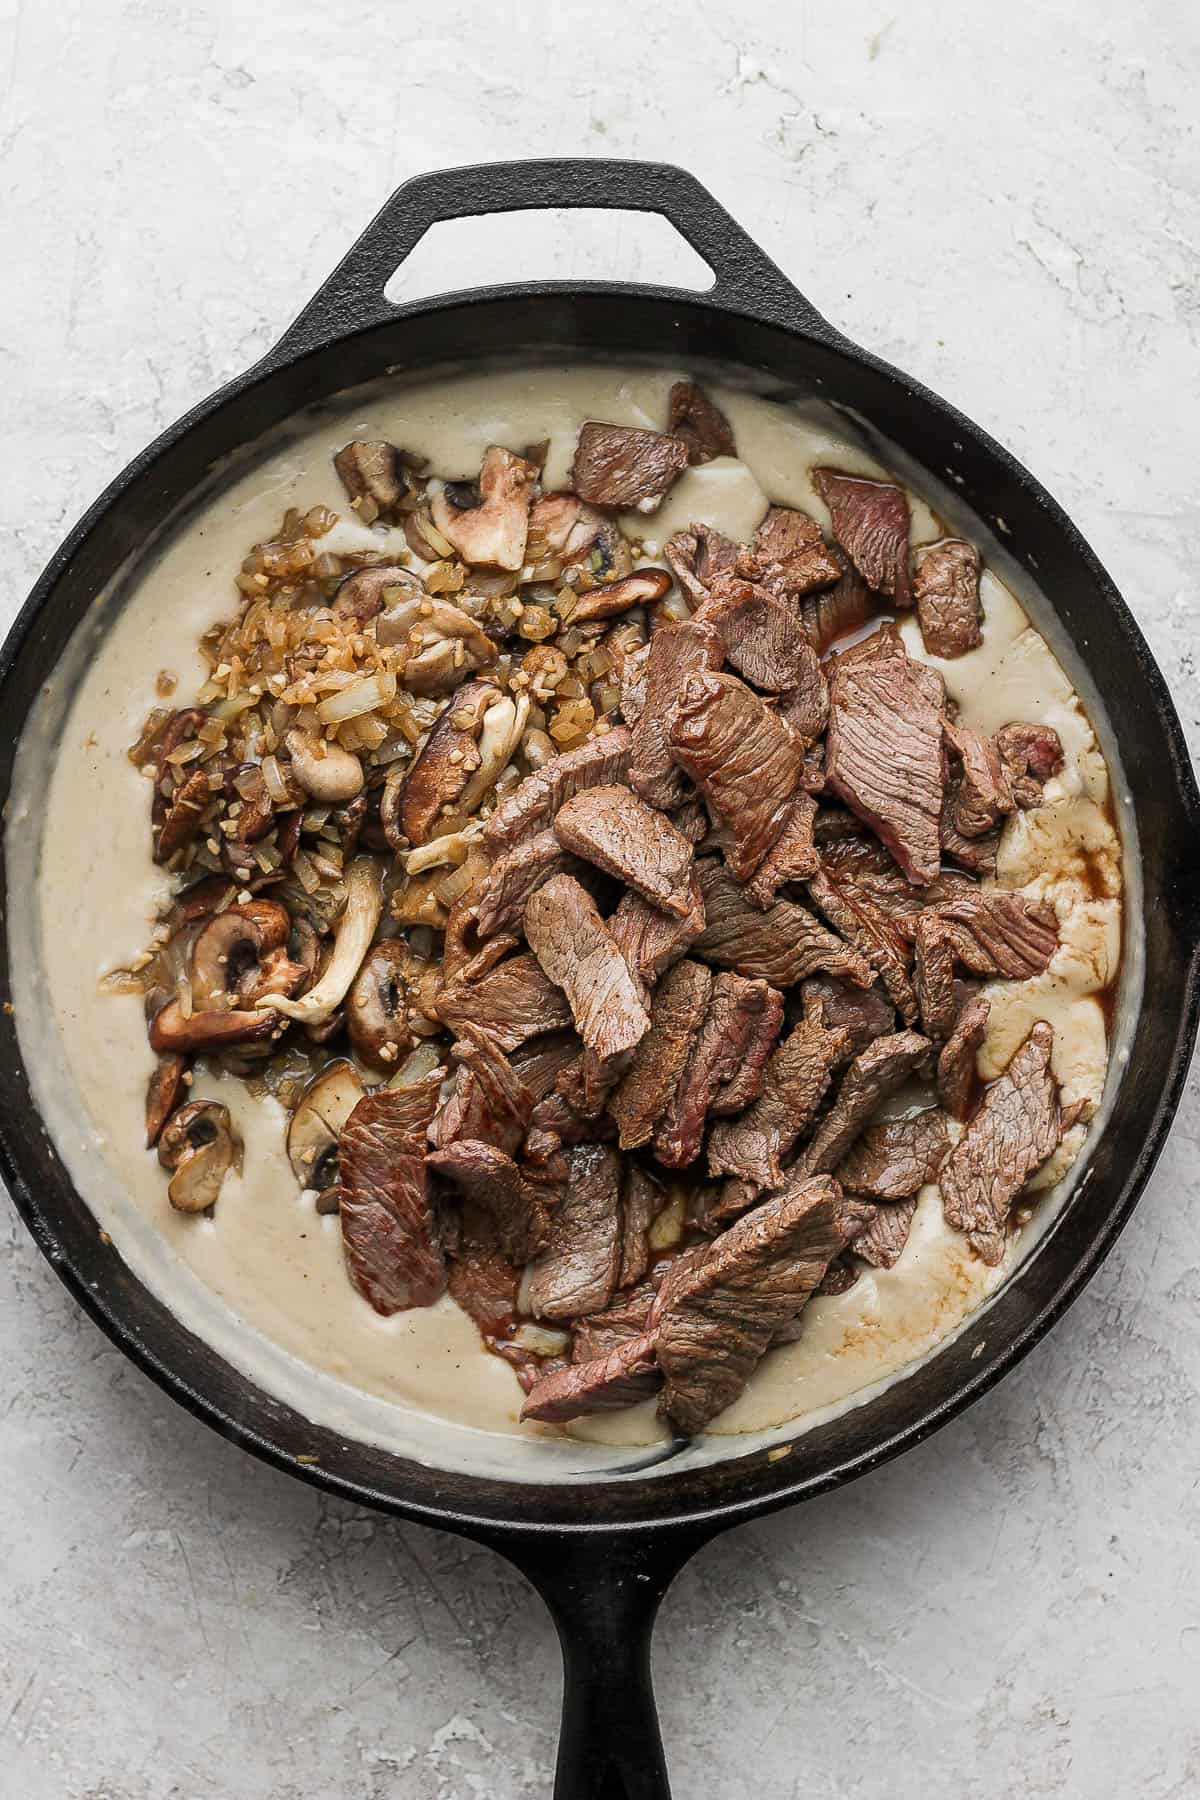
[
  {"x": 185, "y": 810},
  {"x": 378, "y": 1004},
  {"x": 639, "y": 589},
  {"x": 327, "y": 772},
  {"x": 488, "y": 522},
  {"x": 363, "y": 594},
  {"x": 230, "y": 949},
  {"x": 374, "y": 475},
  {"x": 317, "y": 1121},
  {"x": 163, "y": 1094},
  {"x": 447, "y": 762},
  {"x": 565, "y": 526},
  {"x": 173, "y": 1030},
  {"x": 200, "y": 900},
  {"x": 200, "y": 1145}
]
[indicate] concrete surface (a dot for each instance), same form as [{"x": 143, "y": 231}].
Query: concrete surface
[{"x": 1011, "y": 210}]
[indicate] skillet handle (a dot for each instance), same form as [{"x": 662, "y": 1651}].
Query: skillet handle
[
  {"x": 747, "y": 281},
  {"x": 603, "y": 1592}
]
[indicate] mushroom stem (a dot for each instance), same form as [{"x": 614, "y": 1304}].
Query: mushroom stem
[
  {"x": 503, "y": 724},
  {"x": 364, "y": 905}
]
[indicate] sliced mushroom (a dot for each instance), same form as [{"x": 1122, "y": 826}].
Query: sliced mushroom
[
  {"x": 378, "y": 1005},
  {"x": 230, "y": 949},
  {"x": 363, "y": 594},
  {"x": 316, "y": 1125},
  {"x": 200, "y": 1145},
  {"x": 639, "y": 589},
  {"x": 374, "y": 475},
  {"x": 163, "y": 1094},
  {"x": 565, "y": 526},
  {"x": 435, "y": 670},
  {"x": 356, "y": 928},
  {"x": 453, "y": 848},
  {"x": 446, "y": 763},
  {"x": 330, "y": 774},
  {"x": 432, "y": 619},
  {"x": 174, "y": 1030},
  {"x": 488, "y": 523},
  {"x": 200, "y": 901},
  {"x": 503, "y": 725},
  {"x": 184, "y": 812}
]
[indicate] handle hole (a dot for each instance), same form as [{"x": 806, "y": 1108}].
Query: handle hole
[{"x": 592, "y": 244}]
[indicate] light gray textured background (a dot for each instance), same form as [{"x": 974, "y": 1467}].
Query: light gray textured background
[{"x": 1006, "y": 202}]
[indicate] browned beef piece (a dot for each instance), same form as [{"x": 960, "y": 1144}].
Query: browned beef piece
[
  {"x": 533, "y": 803},
  {"x": 643, "y": 1199},
  {"x": 742, "y": 757},
  {"x": 795, "y": 556},
  {"x": 484, "y": 1283},
  {"x": 701, "y": 424},
  {"x": 692, "y": 820},
  {"x": 622, "y": 465},
  {"x": 389, "y": 1233},
  {"x": 793, "y": 855},
  {"x": 956, "y": 1077},
  {"x": 575, "y": 949},
  {"x": 571, "y": 1114},
  {"x": 624, "y": 1376},
  {"x": 561, "y": 525},
  {"x": 805, "y": 707},
  {"x": 781, "y": 945},
  {"x": 676, "y": 1015},
  {"x": 870, "y": 930},
  {"x": 946, "y": 590},
  {"x": 934, "y": 975},
  {"x": 513, "y": 1002},
  {"x": 875, "y": 1073},
  {"x": 838, "y": 1003},
  {"x": 577, "y": 1272},
  {"x": 501, "y": 895},
  {"x": 724, "y": 1313},
  {"x": 1030, "y": 755},
  {"x": 697, "y": 556},
  {"x": 837, "y": 611},
  {"x": 976, "y": 854},
  {"x": 493, "y": 1181},
  {"x": 979, "y": 795},
  {"x": 1018, "y": 1125},
  {"x": 881, "y": 1242},
  {"x": 870, "y": 522},
  {"x": 994, "y": 931},
  {"x": 651, "y": 940},
  {"x": 490, "y": 1100},
  {"x": 673, "y": 653},
  {"x": 883, "y": 754},
  {"x": 752, "y": 1147},
  {"x": 634, "y": 675},
  {"x": 619, "y": 833},
  {"x": 540, "y": 1062},
  {"x": 629, "y": 1316},
  {"x": 764, "y": 641},
  {"x": 854, "y": 858},
  {"x": 894, "y": 1159},
  {"x": 725, "y": 1070}
]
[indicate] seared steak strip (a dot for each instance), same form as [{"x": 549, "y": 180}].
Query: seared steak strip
[
  {"x": 676, "y": 1015},
  {"x": 894, "y": 1159},
  {"x": 782, "y": 945},
  {"x": 701, "y": 424},
  {"x": 388, "y": 1230},
  {"x": 764, "y": 641},
  {"x": 1030, "y": 755},
  {"x": 793, "y": 855},
  {"x": 576, "y": 951},
  {"x": 794, "y": 554},
  {"x": 499, "y": 899},
  {"x": 995, "y": 931},
  {"x": 577, "y": 1272},
  {"x": 651, "y": 940},
  {"x": 871, "y": 931},
  {"x": 882, "y": 1240},
  {"x": 875, "y": 1073},
  {"x": 620, "y": 1378},
  {"x": 674, "y": 651},
  {"x": 956, "y": 1078},
  {"x": 493, "y": 1181},
  {"x": 870, "y": 522},
  {"x": 946, "y": 590},
  {"x": 619, "y": 833},
  {"x": 624, "y": 466},
  {"x": 490, "y": 1100},
  {"x": 532, "y": 805},
  {"x": 696, "y": 557},
  {"x": 864, "y": 1016},
  {"x": 512, "y": 1002},
  {"x": 752, "y": 1147},
  {"x": 742, "y": 757},
  {"x": 979, "y": 797},
  {"x": 725, "y": 1070}
]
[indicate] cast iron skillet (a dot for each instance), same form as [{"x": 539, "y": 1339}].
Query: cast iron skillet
[{"x": 603, "y": 1554}]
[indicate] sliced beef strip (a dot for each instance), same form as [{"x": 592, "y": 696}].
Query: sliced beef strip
[
  {"x": 805, "y": 707},
  {"x": 629, "y": 1316},
  {"x": 934, "y": 976},
  {"x": 560, "y": 525},
  {"x": 624, "y": 1376},
  {"x": 674, "y": 652},
  {"x": 575, "y": 949},
  {"x": 878, "y": 937},
  {"x": 795, "y": 556},
  {"x": 701, "y": 424},
  {"x": 697, "y": 556},
  {"x": 533, "y": 802},
  {"x": 676, "y": 1015},
  {"x": 577, "y": 1272},
  {"x": 540, "y": 1062},
  {"x": 852, "y": 858},
  {"x": 781, "y": 945},
  {"x": 870, "y": 522},
  {"x": 624, "y": 466},
  {"x": 996, "y": 931},
  {"x": 956, "y": 1075},
  {"x": 484, "y": 1284},
  {"x": 894, "y": 1159},
  {"x": 389, "y": 1233},
  {"x": 883, "y": 754},
  {"x": 726, "y": 1067},
  {"x": 489, "y": 1178},
  {"x": 742, "y": 757},
  {"x": 839, "y": 1003},
  {"x": 764, "y": 641},
  {"x": 752, "y": 1147},
  {"x": 875, "y": 1073},
  {"x": 619, "y": 833},
  {"x": 512, "y": 1002},
  {"x": 881, "y": 1242},
  {"x": 977, "y": 854},
  {"x": 946, "y": 590},
  {"x": 793, "y": 855},
  {"x": 651, "y": 940},
  {"x": 1029, "y": 755},
  {"x": 500, "y": 897},
  {"x": 722, "y": 1316},
  {"x": 643, "y": 1198},
  {"x": 837, "y": 611},
  {"x": 1017, "y": 1126},
  {"x": 634, "y": 679},
  {"x": 490, "y": 1100},
  {"x": 842, "y": 1274},
  {"x": 979, "y": 795}
]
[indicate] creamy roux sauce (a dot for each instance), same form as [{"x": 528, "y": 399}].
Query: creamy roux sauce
[{"x": 263, "y": 1278}]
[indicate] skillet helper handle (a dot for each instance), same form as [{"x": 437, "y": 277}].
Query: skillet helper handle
[{"x": 746, "y": 280}]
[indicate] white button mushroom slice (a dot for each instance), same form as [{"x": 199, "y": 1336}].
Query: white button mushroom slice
[
  {"x": 316, "y": 1124},
  {"x": 200, "y": 1145},
  {"x": 325, "y": 771},
  {"x": 364, "y": 904},
  {"x": 454, "y": 848},
  {"x": 434, "y": 619},
  {"x": 487, "y": 522},
  {"x": 503, "y": 725}
]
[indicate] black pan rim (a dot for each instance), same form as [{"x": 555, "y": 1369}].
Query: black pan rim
[{"x": 773, "y": 1485}]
